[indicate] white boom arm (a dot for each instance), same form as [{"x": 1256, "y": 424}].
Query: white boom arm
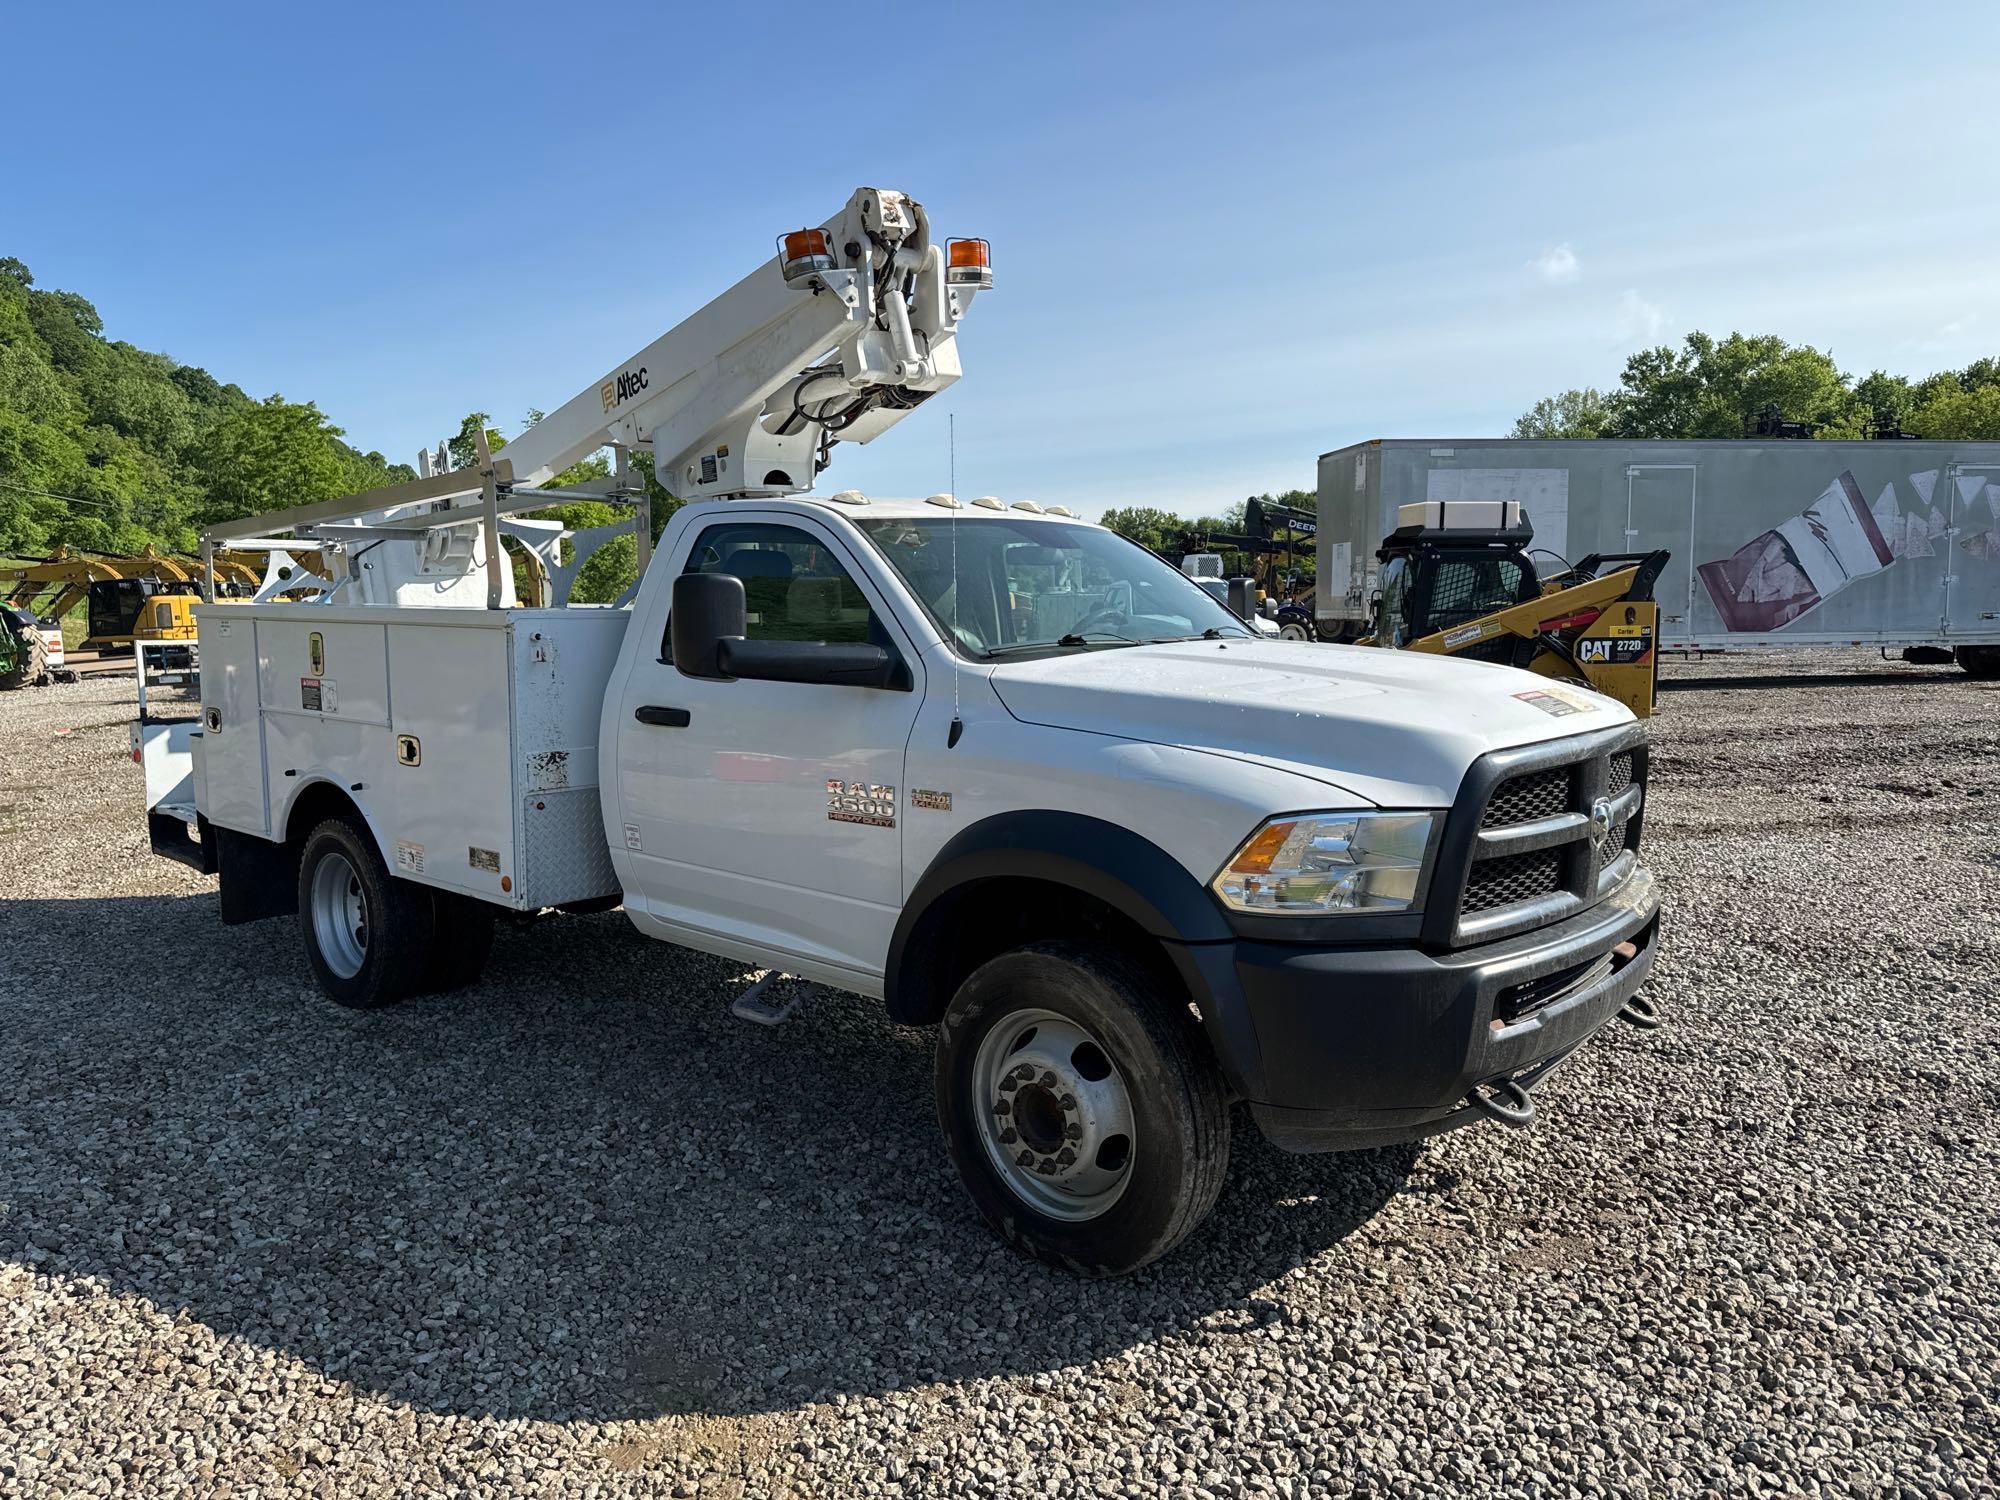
[
  {"x": 849, "y": 327},
  {"x": 737, "y": 399}
]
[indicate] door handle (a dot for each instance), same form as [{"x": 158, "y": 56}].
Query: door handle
[{"x": 665, "y": 718}]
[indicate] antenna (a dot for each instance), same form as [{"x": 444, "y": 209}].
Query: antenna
[{"x": 951, "y": 441}]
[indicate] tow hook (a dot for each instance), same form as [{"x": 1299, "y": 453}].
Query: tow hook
[
  {"x": 1638, "y": 1011},
  {"x": 1506, "y": 1101}
]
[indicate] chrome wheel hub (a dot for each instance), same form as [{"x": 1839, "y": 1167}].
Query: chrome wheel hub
[
  {"x": 1055, "y": 1116},
  {"x": 339, "y": 916}
]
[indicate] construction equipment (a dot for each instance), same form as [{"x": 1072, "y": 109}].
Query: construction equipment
[
  {"x": 1272, "y": 536},
  {"x": 1457, "y": 580},
  {"x": 31, "y": 650},
  {"x": 118, "y": 588}
]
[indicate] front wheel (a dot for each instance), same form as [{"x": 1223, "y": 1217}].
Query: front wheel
[
  {"x": 1294, "y": 632},
  {"x": 1082, "y": 1109}
]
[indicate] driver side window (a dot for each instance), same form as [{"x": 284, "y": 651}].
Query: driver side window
[{"x": 794, "y": 588}]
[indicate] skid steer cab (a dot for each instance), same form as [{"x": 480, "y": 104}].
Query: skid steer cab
[{"x": 1458, "y": 580}]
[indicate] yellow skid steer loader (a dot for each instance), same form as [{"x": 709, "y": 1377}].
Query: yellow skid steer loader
[{"x": 1457, "y": 580}]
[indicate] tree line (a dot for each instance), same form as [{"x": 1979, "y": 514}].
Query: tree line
[
  {"x": 1735, "y": 386},
  {"x": 109, "y": 448}
]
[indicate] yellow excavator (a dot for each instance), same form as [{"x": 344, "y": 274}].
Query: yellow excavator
[
  {"x": 148, "y": 595},
  {"x": 1457, "y": 580}
]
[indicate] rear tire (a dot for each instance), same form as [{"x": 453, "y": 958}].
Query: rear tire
[
  {"x": 366, "y": 933},
  {"x": 1071, "y": 1057},
  {"x": 1981, "y": 662},
  {"x": 461, "y": 938},
  {"x": 31, "y": 664}
]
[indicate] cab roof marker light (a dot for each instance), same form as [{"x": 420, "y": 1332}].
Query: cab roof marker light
[
  {"x": 849, "y": 497},
  {"x": 969, "y": 263},
  {"x": 989, "y": 502},
  {"x": 1059, "y": 510},
  {"x": 1029, "y": 506},
  {"x": 949, "y": 502}
]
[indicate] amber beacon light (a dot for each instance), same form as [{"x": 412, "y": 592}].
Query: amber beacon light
[{"x": 969, "y": 263}]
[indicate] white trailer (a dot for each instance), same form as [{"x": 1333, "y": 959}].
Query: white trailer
[
  {"x": 1010, "y": 773},
  {"x": 1893, "y": 544}
]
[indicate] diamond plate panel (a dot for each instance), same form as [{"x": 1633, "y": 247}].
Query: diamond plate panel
[{"x": 563, "y": 854}]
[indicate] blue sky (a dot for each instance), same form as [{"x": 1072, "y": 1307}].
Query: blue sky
[{"x": 1226, "y": 238}]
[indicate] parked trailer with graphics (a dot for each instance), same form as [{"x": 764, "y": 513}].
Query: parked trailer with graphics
[{"x": 1891, "y": 544}]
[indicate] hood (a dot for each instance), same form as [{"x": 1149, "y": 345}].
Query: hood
[{"x": 1398, "y": 728}]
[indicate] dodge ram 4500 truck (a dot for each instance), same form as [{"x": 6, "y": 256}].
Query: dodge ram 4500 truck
[{"x": 993, "y": 764}]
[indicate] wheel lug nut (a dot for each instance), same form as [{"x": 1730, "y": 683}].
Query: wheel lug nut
[
  {"x": 1072, "y": 1132},
  {"x": 1023, "y": 1073},
  {"x": 1049, "y": 1079},
  {"x": 1008, "y": 1137},
  {"x": 1065, "y": 1157},
  {"x": 1002, "y": 1107},
  {"x": 1068, "y": 1103},
  {"x": 1025, "y": 1159}
]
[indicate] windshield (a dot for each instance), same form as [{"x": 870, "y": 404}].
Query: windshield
[{"x": 1025, "y": 585}]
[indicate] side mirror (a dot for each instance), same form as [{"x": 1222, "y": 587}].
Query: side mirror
[
  {"x": 708, "y": 610},
  {"x": 836, "y": 664},
  {"x": 709, "y": 623},
  {"x": 1243, "y": 598}
]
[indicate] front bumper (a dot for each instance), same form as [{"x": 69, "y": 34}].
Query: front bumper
[{"x": 1343, "y": 1048}]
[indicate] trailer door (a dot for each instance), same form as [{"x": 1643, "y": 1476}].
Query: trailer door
[
  {"x": 1659, "y": 512},
  {"x": 1967, "y": 492}
]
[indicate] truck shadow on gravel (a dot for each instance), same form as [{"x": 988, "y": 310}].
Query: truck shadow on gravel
[{"x": 580, "y": 1190}]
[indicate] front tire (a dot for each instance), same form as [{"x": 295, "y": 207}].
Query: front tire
[
  {"x": 366, "y": 933},
  {"x": 1082, "y": 1109}
]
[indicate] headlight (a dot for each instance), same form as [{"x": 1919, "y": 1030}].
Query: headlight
[{"x": 1328, "y": 862}]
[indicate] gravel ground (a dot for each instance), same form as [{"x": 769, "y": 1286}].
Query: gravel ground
[{"x": 577, "y": 1231}]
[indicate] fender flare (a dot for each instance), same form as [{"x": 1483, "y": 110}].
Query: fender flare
[{"x": 1125, "y": 870}]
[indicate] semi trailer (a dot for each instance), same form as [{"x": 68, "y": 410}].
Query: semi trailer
[
  {"x": 993, "y": 765},
  {"x": 1894, "y": 544}
]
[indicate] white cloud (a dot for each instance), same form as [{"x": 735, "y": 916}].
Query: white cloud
[
  {"x": 1557, "y": 264},
  {"x": 1639, "y": 320}
]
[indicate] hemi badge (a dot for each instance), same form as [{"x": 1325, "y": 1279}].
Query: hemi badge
[{"x": 930, "y": 801}]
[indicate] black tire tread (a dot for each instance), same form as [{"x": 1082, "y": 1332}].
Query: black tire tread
[
  {"x": 1170, "y": 1029},
  {"x": 397, "y": 946}
]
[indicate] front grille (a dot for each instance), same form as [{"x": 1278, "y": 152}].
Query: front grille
[
  {"x": 1614, "y": 844},
  {"x": 1548, "y": 807},
  {"x": 1539, "y": 794},
  {"x": 1512, "y": 878},
  {"x": 1620, "y": 774}
]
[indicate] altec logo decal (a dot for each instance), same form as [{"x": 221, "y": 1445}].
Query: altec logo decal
[{"x": 628, "y": 384}]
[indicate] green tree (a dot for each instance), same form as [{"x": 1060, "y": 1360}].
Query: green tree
[
  {"x": 1885, "y": 400},
  {"x": 1583, "y": 412},
  {"x": 1147, "y": 525},
  {"x": 1959, "y": 415},
  {"x": 275, "y": 454},
  {"x": 1710, "y": 388},
  {"x": 465, "y": 448}
]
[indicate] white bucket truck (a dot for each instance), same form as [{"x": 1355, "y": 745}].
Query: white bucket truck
[{"x": 1001, "y": 768}]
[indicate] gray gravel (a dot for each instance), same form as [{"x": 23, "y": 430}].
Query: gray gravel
[{"x": 577, "y": 1231}]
